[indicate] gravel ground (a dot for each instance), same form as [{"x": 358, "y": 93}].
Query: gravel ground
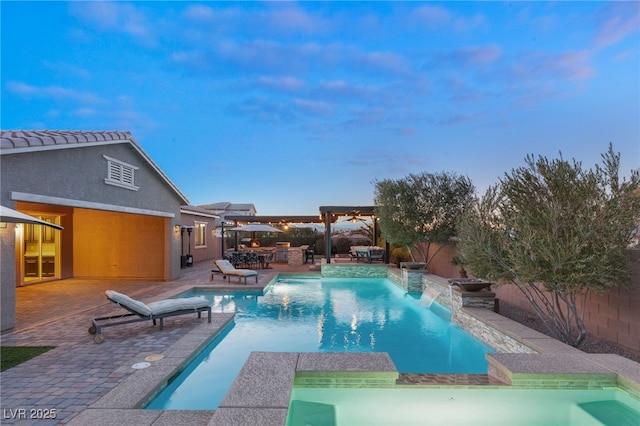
[{"x": 590, "y": 345}]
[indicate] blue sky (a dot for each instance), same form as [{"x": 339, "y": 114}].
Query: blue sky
[{"x": 291, "y": 106}]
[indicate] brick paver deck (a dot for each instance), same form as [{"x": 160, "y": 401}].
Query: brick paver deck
[{"x": 67, "y": 379}]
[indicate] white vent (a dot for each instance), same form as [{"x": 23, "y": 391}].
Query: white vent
[{"x": 120, "y": 174}]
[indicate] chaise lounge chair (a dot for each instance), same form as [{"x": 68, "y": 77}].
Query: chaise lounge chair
[
  {"x": 227, "y": 270},
  {"x": 139, "y": 311}
]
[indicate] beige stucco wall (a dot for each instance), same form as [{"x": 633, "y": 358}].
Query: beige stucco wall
[{"x": 118, "y": 245}]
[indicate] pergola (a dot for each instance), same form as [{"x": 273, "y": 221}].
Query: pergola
[
  {"x": 327, "y": 216},
  {"x": 330, "y": 214}
]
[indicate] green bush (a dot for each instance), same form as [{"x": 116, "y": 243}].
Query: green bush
[
  {"x": 320, "y": 246},
  {"x": 399, "y": 254},
  {"x": 343, "y": 245}
]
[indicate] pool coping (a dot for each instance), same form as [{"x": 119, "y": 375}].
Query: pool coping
[{"x": 258, "y": 393}]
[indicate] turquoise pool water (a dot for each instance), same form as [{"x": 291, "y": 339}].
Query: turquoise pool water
[
  {"x": 324, "y": 315},
  {"x": 456, "y": 406}
]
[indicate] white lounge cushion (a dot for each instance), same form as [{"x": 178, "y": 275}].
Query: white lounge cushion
[
  {"x": 227, "y": 268},
  {"x": 173, "y": 305},
  {"x": 124, "y": 300},
  {"x": 159, "y": 307}
]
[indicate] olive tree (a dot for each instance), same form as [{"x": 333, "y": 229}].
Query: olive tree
[
  {"x": 421, "y": 209},
  {"x": 557, "y": 232}
]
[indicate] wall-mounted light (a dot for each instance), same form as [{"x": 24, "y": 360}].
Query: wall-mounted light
[{"x": 176, "y": 228}]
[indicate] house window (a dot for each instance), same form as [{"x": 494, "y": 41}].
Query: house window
[
  {"x": 201, "y": 234},
  {"x": 120, "y": 174}
]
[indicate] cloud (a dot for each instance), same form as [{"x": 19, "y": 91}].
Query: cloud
[
  {"x": 115, "y": 17},
  {"x": 432, "y": 16},
  {"x": 387, "y": 62},
  {"x": 85, "y": 112},
  {"x": 55, "y": 93},
  {"x": 472, "y": 56},
  {"x": 71, "y": 105},
  {"x": 199, "y": 13},
  {"x": 621, "y": 20},
  {"x": 456, "y": 119},
  {"x": 266, "y": 56},
  {"x": 283, "y": 83},
  {"x": 312, "y": 107},
  {"x": 286, "y": 110},
  {"x": 295, "y": 20},
  {"x": 571, "y": 65},
  {"x": 263, "y": 109},
  {"x": 345, "y": 90},
  {"x": 382, "y": 163},
  {"x": 66, "y": 70},
  {"x": 437, "y": 17}
]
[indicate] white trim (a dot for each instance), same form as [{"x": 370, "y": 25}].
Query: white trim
[
  {"x": 158, "y": 170},
  {"x": 45, "y": 199},
  {"x": 192, "y": 213},
  {"x": 195, "y": 240}
]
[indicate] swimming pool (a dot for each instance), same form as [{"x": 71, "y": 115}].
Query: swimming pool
[
  {"x": 324, "y": 315},
  {"x": 455, "y": 406}
]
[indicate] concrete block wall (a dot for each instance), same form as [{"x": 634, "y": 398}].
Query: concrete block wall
[{"x": 612, "y": 317}]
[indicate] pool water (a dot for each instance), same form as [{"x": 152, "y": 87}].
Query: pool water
[
  {"x": 455, "y": 406},
  {"x": 324, "y": 315}
]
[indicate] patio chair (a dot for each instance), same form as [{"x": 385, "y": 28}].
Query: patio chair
[
  {"x": 268, "y": 258},
  {"x": 237, "y": 259},
  {"x": 309, "y": 254},
  {"x": 252, "y": 259},
  {"x": 352, "y": 253},
  {"x": 227, "y": 269},
  {"x": 139, "y": 311}
]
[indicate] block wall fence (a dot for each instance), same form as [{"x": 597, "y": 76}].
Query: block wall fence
[{"x": 614, "y": 316}]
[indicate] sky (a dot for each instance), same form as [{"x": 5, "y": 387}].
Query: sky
[{"x": 291, "y": 106}]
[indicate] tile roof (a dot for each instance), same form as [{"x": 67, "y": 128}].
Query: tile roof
[
  {"x": 22, "y": 139},
  {"x": 189, "y": 209}
]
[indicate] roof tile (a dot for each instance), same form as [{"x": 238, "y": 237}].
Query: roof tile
[{"x": 12, "y": 139}]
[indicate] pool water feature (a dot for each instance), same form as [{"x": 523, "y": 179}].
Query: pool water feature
[
  {"x": 443, "y": 406},
  {"x": 324, "y": 315}
]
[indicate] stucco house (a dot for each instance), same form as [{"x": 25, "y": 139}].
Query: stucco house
[
  {"x": 224, "y": 208},
  {"x": 121, "y": 214},
  {"x": 198, "y": 237}
]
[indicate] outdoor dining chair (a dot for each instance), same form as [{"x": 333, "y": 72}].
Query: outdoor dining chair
[
  {"x": 252, "y": 259},
  {"x": 237, "y": 259}
]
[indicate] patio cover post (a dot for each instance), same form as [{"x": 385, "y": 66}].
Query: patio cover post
[{"x": 327, "y": 236}]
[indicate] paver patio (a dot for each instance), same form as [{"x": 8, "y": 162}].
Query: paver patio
[{"x": 78, "y": 371}]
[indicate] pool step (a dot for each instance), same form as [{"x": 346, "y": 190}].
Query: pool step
[
  {"x": 311, "y": 414},
  {"x": 611, "y": 413}
]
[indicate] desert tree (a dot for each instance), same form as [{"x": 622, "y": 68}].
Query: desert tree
[
  {"x": 557, "y": 232},
  {"x": 421, "y": 209}
]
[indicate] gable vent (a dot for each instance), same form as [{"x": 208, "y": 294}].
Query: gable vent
[{"x": 120, "y": 174}]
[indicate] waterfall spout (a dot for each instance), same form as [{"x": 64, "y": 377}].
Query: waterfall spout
[{"x": 429, "y": 295}]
